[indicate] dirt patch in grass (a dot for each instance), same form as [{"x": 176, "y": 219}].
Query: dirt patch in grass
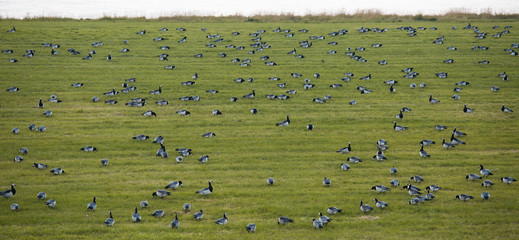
[{"x": 372, "y": 218}]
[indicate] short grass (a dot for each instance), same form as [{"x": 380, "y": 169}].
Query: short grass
[{"x": 249, "y": 148}]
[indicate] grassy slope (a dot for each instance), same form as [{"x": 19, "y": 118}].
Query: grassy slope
[{"x": 248, "y": 149}]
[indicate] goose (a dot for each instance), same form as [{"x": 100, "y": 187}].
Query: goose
[
  {"x": 423, "y": 153},
  {"x": 333, "y": 210},
  {"x": 136, "y": 217},
  {"x": 234, "y": 99},
  {"x": 12, "y": 30},
  {"x": 412, "y": 85},
  {"x": 485, "y": 195},
  {"x": 216, "y": 112},
  {"x": 251, "y": 227},
  {"x": 400, "y": 115},
  {"x": 209, "y": 134},
  {"x": 89, "y": 149},
  {"x": 212, "y": 91},
  {"x": 433, "y": 100},
  {"x": 473, "y": 177},
  {"x": 284, "y": 220},
  {"x": 198, "y": 215},
  {"x": 40, "y": 104},
  {"x": 345, "y": 166},
  {"x": 455, "y": 97},
  {"x": 319, "y": 100},
  {"x": 398, "y": 128},
  {"x": 161, "y": 193},
  {"x": 412, "y": 190},
  {"x": 317, "y": 223},
  {"x": 15, "y": 130},
  {"x": 183, "y": 112},
  {"x": 394, "y": 183},
  {"x": 32, "y": 127},
  {"x": 149, "y": 114},
  {"x": 447, "y": 145},
  {"x": 427, "y": 142},
  {"x": 505, "y": 109},
  {"x": 169, "y": 67},
  {"x": 282, "y": 85},
  {"x": 109, "y": 57},
  {"x": 487, "y": 183},
  {"x": 51, "y": 203},
  {"x": 92, "y": 205},
  {"x": 494, "y": 88},
  {"x": 464, "y": 197},
  {"x": 47, "y": 113},
  {"x": 345, "y": 149},
  {"x": 77, "y": 85},
  {"x": 41, "y": 196},
  {"x": 449, "y": 61},
  {"x": 95, "y": 99},
  {"x": 111, "y": 93},
  {"x": 39, "y": 166},
  {"x": 15, "y": 207},
  {"x": 353, "y": 102},
  {"x": 366, "y": 77},
  {"x": 159, "y": 140},
  {"x": 144, "y": 204},
  {"x": 433, "y": 188},
  {"x": 324, "y": 219},
  {"x": 24, "y": 150},
  {"x": 467, "y": 110},
  {"x": 158, "y": 213},
  {"x": 179, "y": 159},
  {"x": 270, "y": 181},
  {"x": 124, "y": 50},
  {"x": 162, "y": 152},
  {"x": 380, "y": 188},
  {"x": 391, "y": 82},
  {"x": 484, "y": 172},
  {"x": 18, "y": 159},
  {"x": 456, "y": 141},
  {"x": 8, "y": 193},
  {"x": 365, "y": 208},
  {"x": 457, "y": 89},
  {"x": 250, "y": 95},
  {"x": 12, "y": 60},
  {"x": 87, "y": 57},
  {"x": 508, "y": 180},
  {"x": 104, "y": 162},
  {"x": 162, "y": 102},
  {"x": 223, "y": 220},
  {"x": 203, "y": 159},
  {"x": 141, "y": 137},
  {"x": 406, "y": 109},
  {"x": 174, "y": 185},
  {"x": 336, "y": 85},
  {"x": 380, "y": 204},
  {"x": 327, "y": 182},
  {"x": 416, "y": 178},
  {"x": 392, "y": 89},
  {"x": 458, "y": 133},
  {"x": 284, "y": 123},
  {"x": 354, "y": 159},
  {"x": 393, "y": 171},
  {"x": 156, "y": 92},
  {"x": 207, "y": 190},
  {"x": 366, "y": 91},
  {"x": 57, "y": 171}
]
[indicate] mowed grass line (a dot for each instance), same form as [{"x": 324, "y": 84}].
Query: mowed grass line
[{"x": 249, "y": 148}]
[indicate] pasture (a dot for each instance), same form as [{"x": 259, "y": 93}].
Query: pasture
[{"x": 249, "y": 148}]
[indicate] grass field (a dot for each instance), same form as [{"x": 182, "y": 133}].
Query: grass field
[{"x": 249, "y": 148}]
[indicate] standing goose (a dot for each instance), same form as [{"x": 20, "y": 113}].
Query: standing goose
[
  {"x": 416, "y": 178},
  {"x": 40, "y": 104},
  {"x": 222, "y": 221},
  {"x": 487, "y": 183},
  {"x": 251, "y": 227},
  {"x": 136, "y": 217},
  {"x": 447, "y": 145},
  {"x": 433, "y": 188},
  {"x": 207, "y": 190},
  {"x": 310, "y": 127},
  {"x": 467, "y": 110},
  {"x": 284, "y": 220},
  {"x": 423, "y": 153},
  {"x": 508, "y": 180},
  {"x": 104, "y": 162},
  {"x": 464, "y": 197},
  {"x": 250, "y": 95},
  {"x": 186, "y": 207},
  {"x": 324, "y": 219},
  {"x": 429, "y": 196},
  {"x": 183, "y": 112},
  {"x": 327, "y": 182},
  {"x": 380, "y": 204},
  {"x": 379, "y": 156},
  {"x": 427, "y": 142},
  {"x": 18, "y": 159},
  {"x": 149, "y": 114},
  {"x": 365, "y": 208},
  {"x": 110, "y": 221},
  {"x": 198, "y": 215},
  {"x": 458, "y": 133},
  {"x": 174, "y": 185},
  {"x": 254, "y": 111},
  {"x": 400, "y": 115},
  {"x": 158, "y": 213},
  {"x": 160, "y": 193},
  {"x": 456, "y": 141},
  {"x": 485, "y": 172},
  {"x": 505, "y": 109},
  {"x": 47, "y": 113},
  {"x": 175, "y": 223},
  {"x": 109, "y": 57},
  {"x": 345, "y": 149},
  {"x": 9, "y": 193},
  {"x": 412, "y": 190},
  {"x": 284, "y": 123},
  {"x": 92, "y": 205},
  {"x": 144, "y": 204},
  {"x": 485, "y": 195},
  {"x": 333, "y": 210},
  {"x": 398, "y": 128},
  {"x": 433, "y": 100}
]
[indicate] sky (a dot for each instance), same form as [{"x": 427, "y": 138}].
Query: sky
[{"x": 156, "y": 8}]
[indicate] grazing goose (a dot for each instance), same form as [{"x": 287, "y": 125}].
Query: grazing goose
[
  {"x": 345, "y": 149},
  {"x": 394, "y": 183},
  {"x": 380, "y": 204},
  {"x": 186, "y": 207},
  {"x": 392, "y": 89},
  {"x": 270, "y": 181},
  {"x": 216, "y": 112},
  {"x": 111, "y": 102},
  {"x": 485, "y": 195},
  {"x": 162, "y": 102},
  {"x": 333, "y": 210},
  {"x": 203, "y": 159},
  {"x": 324, "y": 219},
  {"x": 144, "y": 204},
  {"x": 310, "y": 127},
  {"x": 412, "y": 85},
  {"x": 179, "y": 159},
  {"x": 161, "y": 193},
  {"x": 198, "y": 215},
  {"x": 416, "y": 178},
  {"x": 414, "y": 201},
  {"x": 508, "y": 180},
  {"x": 136, "y": 217},
  {"x": 32, "y": 127},
  {"x": 41, "y": 196},
  {"x": 57, "y": 171},
  {"x": 354, "y": 159},
  {"x": 209, "y": 134},
  {"x": 183, "y": 112},
  {"x": 47, "y": 113},
  {"x": 433, "y": 188},
  {"x": 427, "y": 142},
  {"x": 158, "y": 213},
  {"x": 317, "y": 223},
  {"x": 15, "y": 130},
  {"x": 141, "y": 137},
  {"x": 92, "y": 205},
  {"x": 365, "y": 208},
  {"x": 398, "y": 128},
  {"x": 284, "y": 123},
  {"x": 95, "y": 99},
  {"x": 467, "y": 110},
  {"x": 39, "y": 166},
  {"x": 505, "y": 109},
  {"x": 23, "y": 150},
  {"x": 473, "y": 177},
  {"x": 412, "y": 190},
  {"x": 13, "y": 89},
  {"x": 423, "y": 153},
  {"x": 380, "y": 188},
  {"x": 222, "y": 221},
  {"x": 88, "y": 149},
  {"x": 327, "y": 182},
  {"x": 18, "y": 159},
  {"x": 174, "y": 185},
  {"x": 104, "y": 162},
  {"x": 456, "y": 141},
  {"x": 159, "y": 140},
  {"x": 111, "y": 93},
  {"x": 464, "y": 197},
  {"x": 207, "y": 190},
  {"x": 149, "y": 114},
  {"x": 9, "y": 193},
  {"x": 433, "y": 100},
  {"x": 284, "y": 220},
  {"x": 487, "y": 183},
  {"x": 393, "y": 171},
  {"x": 485, "y": 172},
  {"x": 212, "y": 91},
  {"x": 233, "y": 99},
  {"x": 51, "y": 203},
  {"x": 345, "y": 166},
  {"x": 15, "y": 207},
  {"x": 251, "y": 227},
  {"x": 447, "y": 145},
  {"x": 455, "y": 97}
]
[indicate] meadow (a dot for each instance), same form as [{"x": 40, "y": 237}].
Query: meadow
[{"x": 249, "y": 148}]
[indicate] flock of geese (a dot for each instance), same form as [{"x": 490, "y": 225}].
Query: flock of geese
[{"x": 417, "y": 194}]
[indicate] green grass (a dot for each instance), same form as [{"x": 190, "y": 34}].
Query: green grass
[{"x": 249, "y": 148}]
